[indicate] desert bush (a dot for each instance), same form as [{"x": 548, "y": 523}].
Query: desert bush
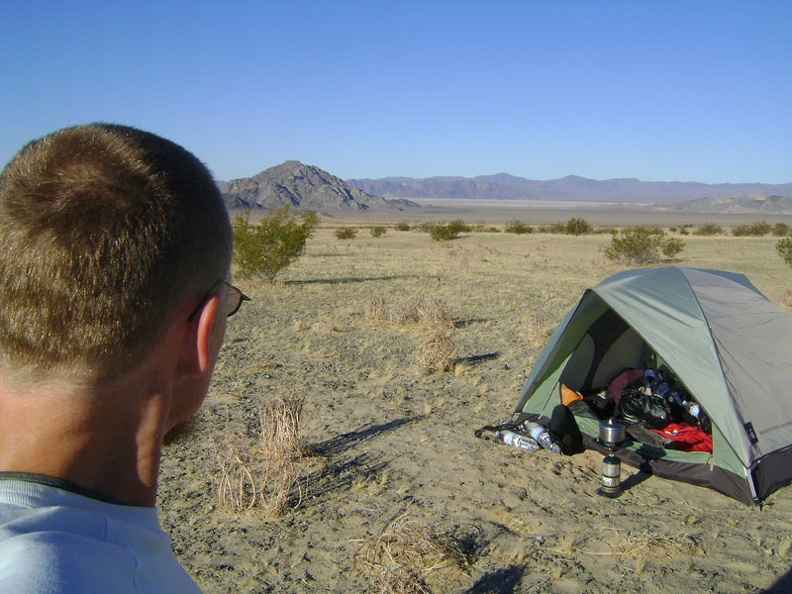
[
  {"x": 672, "y": 247},
  {"x": 377, "y": 231},
  {"x": 709, "y": 229},
  {"x": 402, "y": 226},
  {"x": 459, "y": 226},
  {"x": 450, "y": 230},
  {"x": 784, "y": 249},
  {"x": 518, "y": 227},
  {"x": 346, "y": 233},
  {"x": 406, "y": 552},
  {"x": 268, "y": 247},
  {"x": 641, "y": 245},
  {"x": 752, "y": 230},
  {"x": 443, "y": 232},
  {"x": 578, "y": 226},
  {"x": 554, "y": 228},
  {"x": 264, "y": 475},
  {"x": 435, "y": 353},
  {"x": 781, "y": 229}
]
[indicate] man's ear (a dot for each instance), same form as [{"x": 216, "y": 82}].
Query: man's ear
[{"x": 198, "y": 350}]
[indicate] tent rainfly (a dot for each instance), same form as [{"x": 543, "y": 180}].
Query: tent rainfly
[{"x": 725, "y": 342}]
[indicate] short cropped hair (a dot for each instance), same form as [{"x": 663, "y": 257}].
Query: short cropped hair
[{"x": 105, "y": 230}]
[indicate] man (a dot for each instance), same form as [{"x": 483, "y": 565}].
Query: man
[{"x": 115, "y": 250}]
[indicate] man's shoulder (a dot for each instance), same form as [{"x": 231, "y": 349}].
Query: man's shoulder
[
  {"x": 55, "y": 561},
  {"x": 61, "y": 543}
]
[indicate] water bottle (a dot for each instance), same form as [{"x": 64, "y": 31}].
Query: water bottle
[
  {"x": 516, "y": 440},
  {"x": 693, "y": 409},
  {"x": 541, "y": 435}
]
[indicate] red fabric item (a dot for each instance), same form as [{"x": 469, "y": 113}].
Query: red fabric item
[
  {"x": 686, "y": 437},
  {"x": 621, "y": 381}
]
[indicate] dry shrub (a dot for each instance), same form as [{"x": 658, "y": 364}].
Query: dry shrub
[
  {"x": 233, "y": 481},
  {"x": 421, "y": 309},
  {"x": 406, "y": 552},
  {"x": 282, "y": 450},
  {"x": 374, "y": 309},
  {"x": 264, "y": 474},
  {"x": 435, "y": 354},
  {"x": 431, "y": 310}
]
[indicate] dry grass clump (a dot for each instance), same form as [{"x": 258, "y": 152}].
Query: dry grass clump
[
  {"x": 233, "y": 481},
  {"x": 436, "y": 353},
  {"x": 422, "y": 309},
  {"x": 406, "y": 552},
  {"x": 429, "y": 310},
  {"x": 788, "y": 298},
  {"x": 374, "y": 309},
  {"x": 282, "y": 450},
  {"x": 784, "y": 546},
  {"x": 264, "y": 474},
  {"x": 644, "y": 546}
]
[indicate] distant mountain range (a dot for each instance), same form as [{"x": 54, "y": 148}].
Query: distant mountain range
[
  {"x": 503, "y": 186},
  {"x": 308, "y": 187},
  {"x": 743, "y": 204}
]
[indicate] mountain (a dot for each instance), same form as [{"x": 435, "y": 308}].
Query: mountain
[
  {"x": 743, "y": 204},
  {"x": 503, "y": 186},
  {"x": 304, "y": 187}
]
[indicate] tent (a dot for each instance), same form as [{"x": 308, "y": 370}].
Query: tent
[{"x": 728, "y": 345}]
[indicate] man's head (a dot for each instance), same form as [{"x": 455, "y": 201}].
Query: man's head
[{"x": 105, "y": 232}]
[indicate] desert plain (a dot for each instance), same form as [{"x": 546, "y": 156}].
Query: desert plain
[{"x": 394, "y": 492}]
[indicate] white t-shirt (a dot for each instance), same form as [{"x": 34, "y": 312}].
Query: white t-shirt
[{"x": 57, "y": 541}]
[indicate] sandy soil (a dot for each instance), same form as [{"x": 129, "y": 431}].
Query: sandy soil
[{"x": 392, "y": 445}]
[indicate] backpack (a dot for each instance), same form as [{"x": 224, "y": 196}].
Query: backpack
[{"x": 565, "y": 431}]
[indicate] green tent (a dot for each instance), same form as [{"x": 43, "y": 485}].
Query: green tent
[{"x": 724, "y": 341}]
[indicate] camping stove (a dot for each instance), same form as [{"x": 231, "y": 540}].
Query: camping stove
[{"x": 611, "y": 435}]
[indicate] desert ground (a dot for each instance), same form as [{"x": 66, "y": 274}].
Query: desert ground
[{"x": 394, "y": 492}]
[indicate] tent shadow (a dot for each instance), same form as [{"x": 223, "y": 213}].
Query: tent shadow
[{"x": 501, "y": 581}]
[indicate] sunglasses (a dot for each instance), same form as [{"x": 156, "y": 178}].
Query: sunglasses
[{"x": 233, "y": 303}]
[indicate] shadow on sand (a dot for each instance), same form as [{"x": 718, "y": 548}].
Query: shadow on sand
[
  {"x": 339, "y": 475},
  {"x": 782, "y": 586},
  {"x": 348, "y": 279},
  {"x": 502, "y": 581},
  {"x": 339, "y": 443}
]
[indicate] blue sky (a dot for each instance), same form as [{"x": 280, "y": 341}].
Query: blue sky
[{"x": 657, "y": 90}]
